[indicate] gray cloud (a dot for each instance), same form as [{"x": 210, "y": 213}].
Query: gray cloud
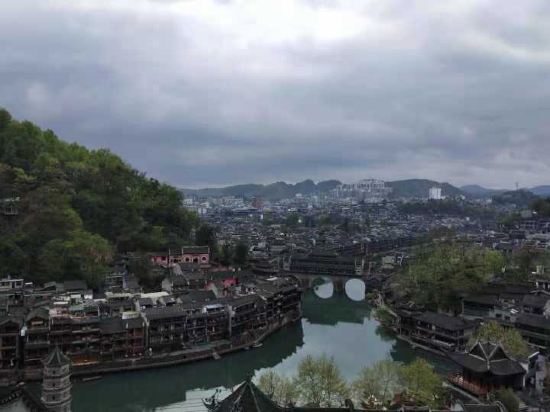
[{"x": 217, "y": 92}]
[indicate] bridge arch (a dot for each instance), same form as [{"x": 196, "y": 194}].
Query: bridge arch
[
  {"x": 323, "y": 287},
  {"x": 355, "y": 289}
]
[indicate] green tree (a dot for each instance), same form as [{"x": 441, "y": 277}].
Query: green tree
[
  {"x": 226, "y": 255},
  {"x": 279, "y": 388},
  {"x": 508, "y": 399},
  {"x": 542, "y": 207},
  {"x": 510, "y": 339},
  {"x": 240, "y": 255},
  {"x": 441, "y": 274},
  {"x": 80, "y": 199},
  {"x": 292, "y": 220},
  {"x": 82, "y": 255},
  {"x": 423, "y": 384},
  {"x": 524, "y": 261},
  {"x": 320, "y": 383},
  {"x": 12, "y": 257},
  {"x": 381, "y": 380},
  {"x": 206, "y": 236}
]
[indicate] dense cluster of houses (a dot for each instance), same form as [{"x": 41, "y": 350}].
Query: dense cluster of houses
[
  {"x": 486, "y": 366},
  {"x": 195, "y": 310}
]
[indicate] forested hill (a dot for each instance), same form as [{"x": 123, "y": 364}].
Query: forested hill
[
  {"x": 66, "y": 210},
  {"x": 412, "y": 188},
  {"x": 418, "y": 188},
  {"x": 273, "y": 191}
]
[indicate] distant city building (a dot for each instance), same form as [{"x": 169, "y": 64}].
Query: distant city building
[
  {"x": 257, "y": 202},
  {"x": 369, "y": 190},
  {"x": 435, "y": 193}
]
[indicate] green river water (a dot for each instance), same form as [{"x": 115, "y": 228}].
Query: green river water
[{"x": 336, "y": 325}]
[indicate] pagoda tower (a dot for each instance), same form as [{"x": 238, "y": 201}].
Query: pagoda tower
[{"x": 56, "y": 382}]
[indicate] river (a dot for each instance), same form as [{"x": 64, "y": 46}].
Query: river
[{"x": 336, "y": 325}]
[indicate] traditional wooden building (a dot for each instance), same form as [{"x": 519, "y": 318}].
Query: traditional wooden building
[
  {"x": 166, "y": 327},
  {"x": 535, "y": 329},
  {"x": 324, "y": 263},
  {"x": 247, "y": 314},
  {"x": 78, "y": 336},
  {"x": 36, "y": 337},
  {"x": 436, "y": 330},
  {"x": 282, "y": 299},
  {"x": 122, "y": 338},
  {"x": 486, "y": 367},
  {"x": 10, "y": 327}
]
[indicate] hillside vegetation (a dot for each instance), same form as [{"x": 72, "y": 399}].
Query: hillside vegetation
[
  {"x": 66, "y": 210},
  {"x": 411, "y": 188},
  {"x": 419, "y": 188},
  {"x": 273, "y": 191}
]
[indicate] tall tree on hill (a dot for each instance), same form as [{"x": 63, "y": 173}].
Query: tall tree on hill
[{"x": 87, "y": 201}]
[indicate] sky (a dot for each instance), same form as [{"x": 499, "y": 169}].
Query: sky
[{"x": 214, "y": 92}]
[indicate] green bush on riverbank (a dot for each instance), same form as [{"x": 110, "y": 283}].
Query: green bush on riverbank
[
  {"x": 384, "y": 316},
  {"x": 319, "y": 383}
]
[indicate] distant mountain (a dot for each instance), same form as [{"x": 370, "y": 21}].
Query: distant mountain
[
  {"x": 411, "y": 188},
  {"x": 273, "y": 191},
  {"x": 543, "y": 191},
  {"x": 480, "y": 191},
  {"x": 520, "y": 198},
  {"x": 419, "y": 188}
]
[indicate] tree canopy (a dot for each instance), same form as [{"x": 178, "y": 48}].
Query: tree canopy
[
  {"x": 72, "y": 209},
  {"x": 440, "y": 274},
  {"x": 423, "y": 384},
  {"x": 510, "y": 339},
  {"x": 318, "y": 383},
  {"x": 542, "y": 207},
  {"x": 381, "y": 381}
]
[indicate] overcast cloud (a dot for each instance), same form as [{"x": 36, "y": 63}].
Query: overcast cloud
[{"x": 201, "y": 93}]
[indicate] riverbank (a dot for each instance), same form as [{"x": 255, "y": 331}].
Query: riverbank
[
  {"x": 379, "y": 304},
  {"x": 213, "y": 350}
]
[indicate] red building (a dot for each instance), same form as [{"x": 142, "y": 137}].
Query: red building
[{"x": 188, "y": 254}]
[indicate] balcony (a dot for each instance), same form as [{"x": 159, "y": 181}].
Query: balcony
[
  {"x": 441, "y": 332},
  {"x": 37, "y": 330},
  {"x": 471, "y": 387},
  {"x": 37, "y": 344}
]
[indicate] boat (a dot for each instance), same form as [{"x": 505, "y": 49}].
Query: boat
[
  {"x": 258, "y": 345},
  {"x": 216, "y": 355},
  {"x": 91, "y": 378}
]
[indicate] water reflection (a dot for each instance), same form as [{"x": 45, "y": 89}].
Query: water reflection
[
  {"x": 355, "y": 289},
  {"x": 146, "y": 390},
  {"x": 337, "y": 326},
  {"x": 323, "y": 288}
]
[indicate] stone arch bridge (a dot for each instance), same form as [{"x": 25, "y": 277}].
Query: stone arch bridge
[{"x": 339, "y": 282}]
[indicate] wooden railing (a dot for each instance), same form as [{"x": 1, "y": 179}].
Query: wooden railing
[{"x": 458, "y": 380}]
